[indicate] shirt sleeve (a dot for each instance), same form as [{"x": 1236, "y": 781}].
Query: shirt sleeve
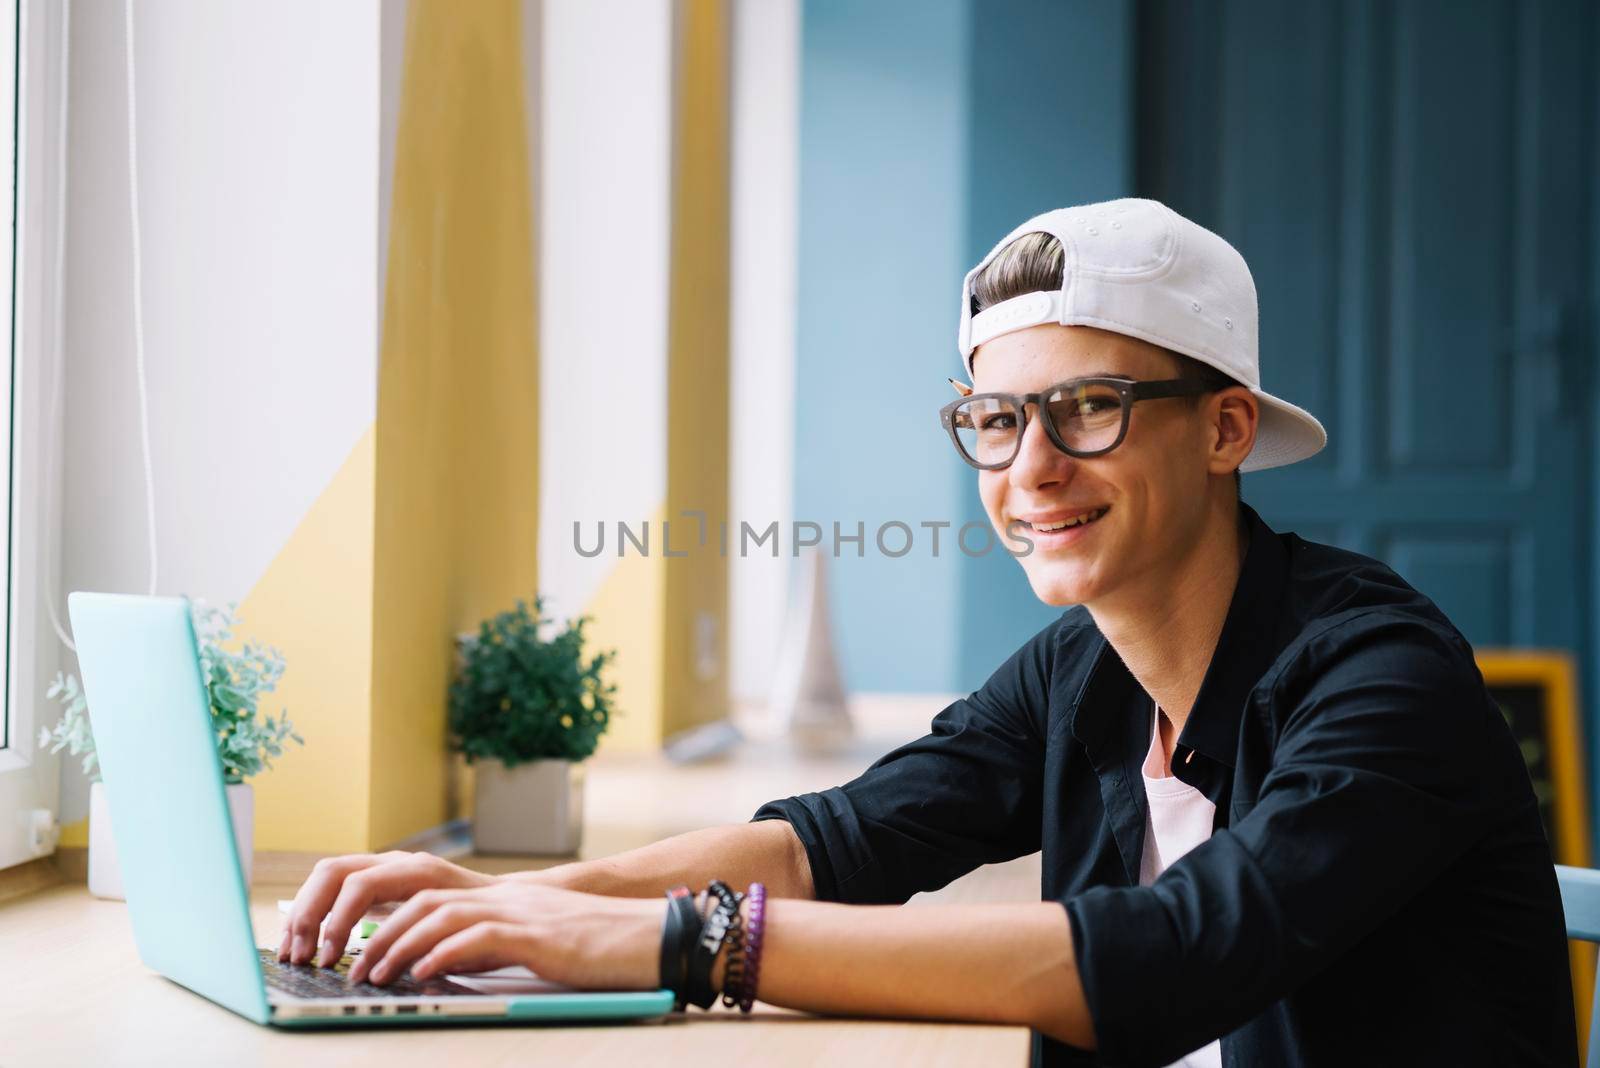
[
  {"x": 967, "y": 793},
  {"x": 1377, "y": 785}
]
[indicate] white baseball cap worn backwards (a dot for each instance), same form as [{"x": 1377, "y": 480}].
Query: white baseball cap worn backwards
[{"x": 1139, "y": 268}]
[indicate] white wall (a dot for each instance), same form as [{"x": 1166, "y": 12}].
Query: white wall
[
  {"x": 602, "y": 235},
  {"x": 259, "y": 154},
  {"x": 765, "y": 151}
]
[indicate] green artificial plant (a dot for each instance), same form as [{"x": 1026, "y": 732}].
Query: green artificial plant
[
  {"x": 519, "y": 697},
  {"x": 72, "y": 732},
  {"x": 235, "y": 681}
]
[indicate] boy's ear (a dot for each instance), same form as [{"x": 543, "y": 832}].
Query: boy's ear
[
  {"x": 965, "y": 391},
  {"x": 1238, "y": 420}
]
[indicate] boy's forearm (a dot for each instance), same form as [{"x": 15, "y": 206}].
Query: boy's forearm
[
  {"x": 738, "y": 854},
  {"x": 995, "y": 963},
  {"x": 991, "y": 963}
]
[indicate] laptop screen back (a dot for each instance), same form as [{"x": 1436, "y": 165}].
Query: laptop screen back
[{"x": 163, "y": 779}]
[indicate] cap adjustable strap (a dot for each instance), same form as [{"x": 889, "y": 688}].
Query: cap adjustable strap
[{"x": 1030, "y": 309}]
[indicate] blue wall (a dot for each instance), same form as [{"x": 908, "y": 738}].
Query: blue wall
[
  {"x": 882, "y": 202},
  {"x": 927, "y": 131},
  {"x": 1050, "y": 115}
]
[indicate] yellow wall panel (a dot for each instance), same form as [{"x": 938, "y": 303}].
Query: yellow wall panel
[
  {"x": 696, "y": 620},
  {"x": 457, "y": 442},
  {"x": 627, "y": 614},
  {"x": 315, "y": 604}
]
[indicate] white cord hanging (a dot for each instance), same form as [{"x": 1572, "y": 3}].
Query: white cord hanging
[
  {"x": 138, "y": 293},
  {"x": 137, "y": 253}
]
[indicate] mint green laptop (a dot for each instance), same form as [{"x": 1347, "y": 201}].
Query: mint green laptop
[{"x": 180, "y": 867}]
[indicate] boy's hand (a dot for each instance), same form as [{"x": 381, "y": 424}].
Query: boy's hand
[
  {"x": 581, "y": 940},
  {"x": 342, "y": 889}
]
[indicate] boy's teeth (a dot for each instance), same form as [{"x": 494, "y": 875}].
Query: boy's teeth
[{"x": 1046, "y": 528}]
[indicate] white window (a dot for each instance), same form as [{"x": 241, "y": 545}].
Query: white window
[{"x": 32, "y": 87}]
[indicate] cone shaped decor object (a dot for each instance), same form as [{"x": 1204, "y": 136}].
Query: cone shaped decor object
[{"x": 808, "y": 700}]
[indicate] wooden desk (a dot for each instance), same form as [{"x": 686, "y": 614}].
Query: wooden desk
[{"x": 78, "y": 994}]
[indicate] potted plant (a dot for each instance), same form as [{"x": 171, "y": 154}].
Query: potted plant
[
  {"x": 246, "y": 740},
  {"x": 527, "y": 712}
]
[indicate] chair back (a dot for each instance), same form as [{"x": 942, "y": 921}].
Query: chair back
[{"x": 1580, "y": 900}]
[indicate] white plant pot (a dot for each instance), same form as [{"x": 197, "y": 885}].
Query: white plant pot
[
  {"x": 105, "y": 878},
  {"x": 534, "y": 808},
  {"x": 242, "y": 809}
]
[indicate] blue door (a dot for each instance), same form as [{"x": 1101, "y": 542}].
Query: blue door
[{"x": 1411, "y": 185}]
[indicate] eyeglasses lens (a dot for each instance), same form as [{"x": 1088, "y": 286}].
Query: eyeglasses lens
[
  {"x": 987, "y": 428},
  {"x": 1087, "y": 418}
]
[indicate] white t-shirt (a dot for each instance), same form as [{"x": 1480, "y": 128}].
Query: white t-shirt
[{"x": 1179, "y": 818}]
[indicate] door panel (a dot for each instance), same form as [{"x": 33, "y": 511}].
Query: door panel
[
  {"x": 1272, "y": 156},
  {"x": 1454, "y": 150},
  {"x": 1411, "y": 185}
]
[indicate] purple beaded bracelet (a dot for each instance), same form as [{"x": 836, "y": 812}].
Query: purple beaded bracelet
[{"x": 754, "y": 925}]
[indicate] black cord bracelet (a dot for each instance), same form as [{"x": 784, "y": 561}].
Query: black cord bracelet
[
  {"x": 680, "y": 930},
  {"x": 703, "y": 953},
  {"x": 733, "y": 968}
]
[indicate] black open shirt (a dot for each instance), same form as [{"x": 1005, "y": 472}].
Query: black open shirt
[{"x": 1378, "y": 888}]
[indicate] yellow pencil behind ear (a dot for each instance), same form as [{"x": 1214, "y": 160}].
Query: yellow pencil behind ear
[{"x": 965, "y": 391}]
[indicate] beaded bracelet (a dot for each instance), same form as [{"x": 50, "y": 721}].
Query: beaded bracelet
[
  {"x": 703, "y": 954},
  {"x": 754, "y": 926},
  {"x": 733, "y": 969}
]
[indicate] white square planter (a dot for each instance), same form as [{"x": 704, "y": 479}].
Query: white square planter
[
  {"x": 534, "y": 808},
  {"x": 105, "y": 877}
]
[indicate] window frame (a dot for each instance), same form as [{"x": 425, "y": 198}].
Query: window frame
[{"x": 29, "y": 775}]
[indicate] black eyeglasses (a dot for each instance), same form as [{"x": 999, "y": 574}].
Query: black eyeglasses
[{"x": 1088, "y": 417}]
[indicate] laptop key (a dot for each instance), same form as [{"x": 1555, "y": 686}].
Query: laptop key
[{"x": 310, "y": 981}]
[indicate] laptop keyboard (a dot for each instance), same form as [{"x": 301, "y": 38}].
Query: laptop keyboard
[{"x": 310, "y": 981}]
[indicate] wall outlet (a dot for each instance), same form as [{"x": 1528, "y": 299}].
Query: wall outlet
[{"x": 42, "y": 831}]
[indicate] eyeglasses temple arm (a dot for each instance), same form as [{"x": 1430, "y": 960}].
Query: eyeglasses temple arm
[{"x": 1171, "y": 387}]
